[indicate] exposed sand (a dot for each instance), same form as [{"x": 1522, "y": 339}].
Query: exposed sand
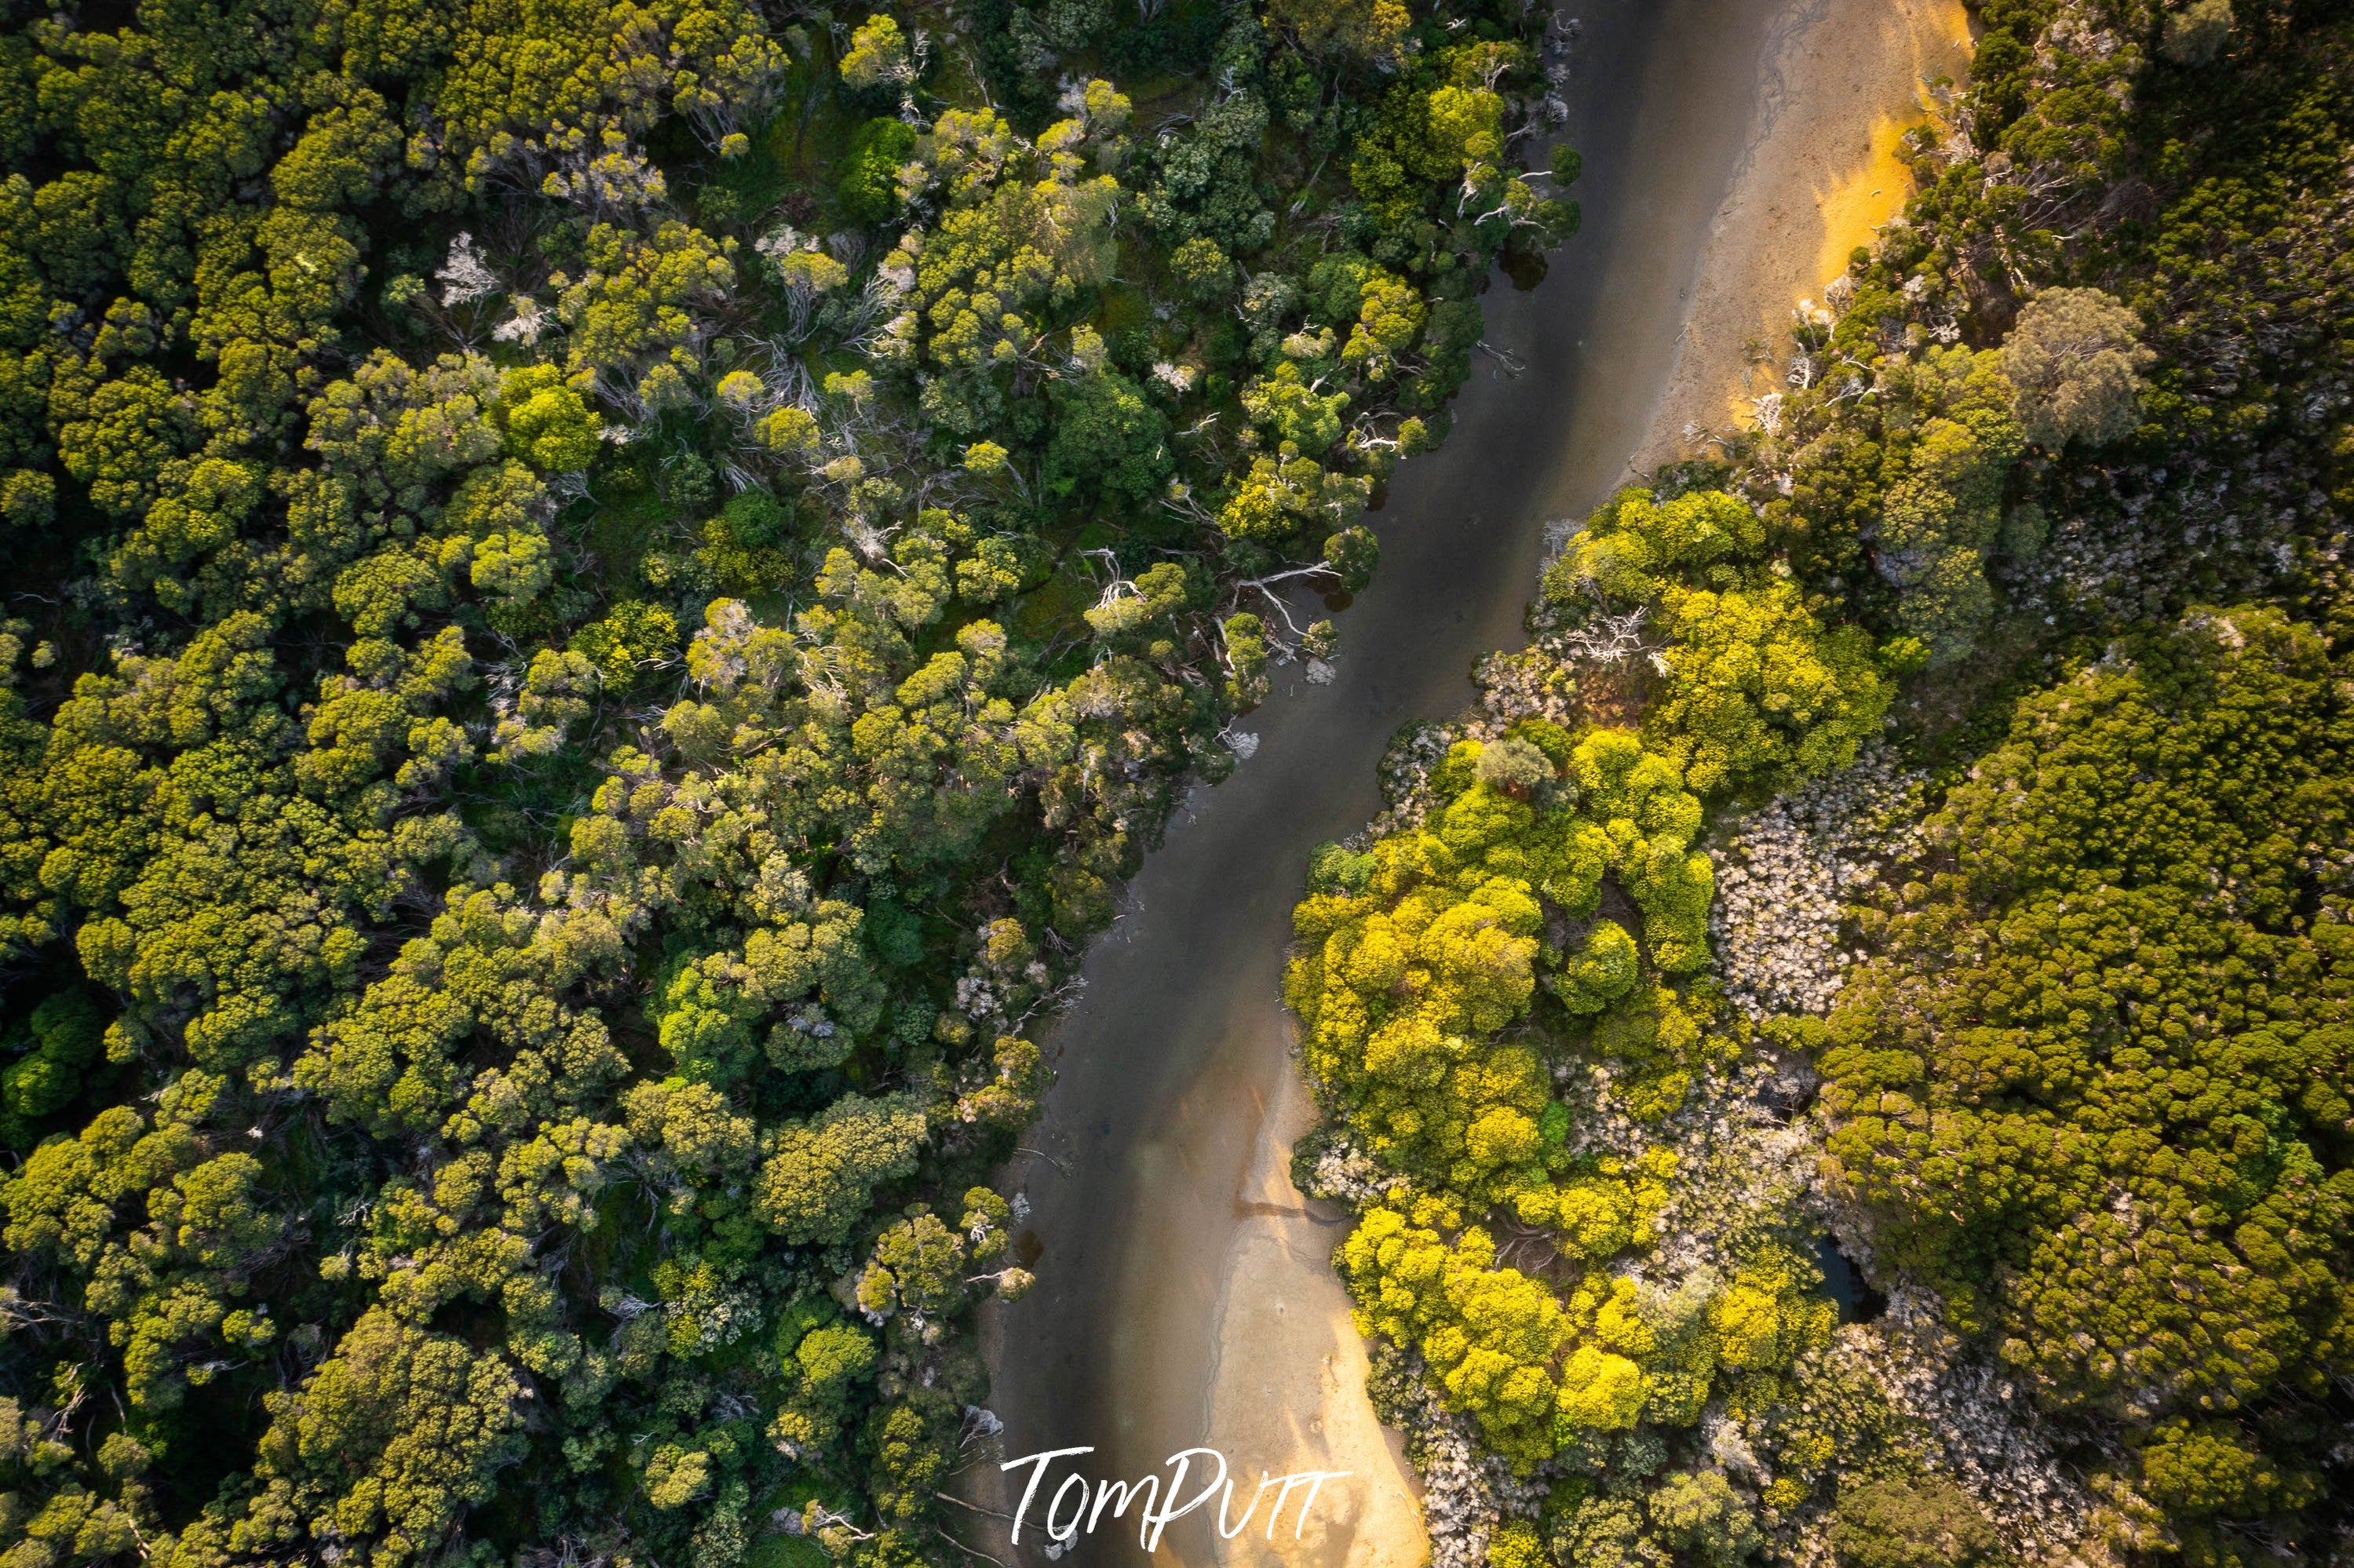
[
  {"x": 1844, "y": 80},
  {"x": 1289, "y": 1384}
]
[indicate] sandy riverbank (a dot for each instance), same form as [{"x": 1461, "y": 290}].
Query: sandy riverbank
[
  {"x": 1185, "y": 1295},
  {"x": 1288, "y": 1386},
  {"x": 1844, "y": 80}
]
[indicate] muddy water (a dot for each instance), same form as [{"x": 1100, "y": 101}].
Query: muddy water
[{"x": 1183, "y": 1296}]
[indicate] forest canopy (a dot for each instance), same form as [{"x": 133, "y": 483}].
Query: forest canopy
[{"x": 601, "y": 595}]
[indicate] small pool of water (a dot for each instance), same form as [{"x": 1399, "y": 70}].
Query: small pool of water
[{"x": 1845, "y": 1284}]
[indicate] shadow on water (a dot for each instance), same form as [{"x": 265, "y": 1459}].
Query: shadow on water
[{"x": 1844, "y": 1283}]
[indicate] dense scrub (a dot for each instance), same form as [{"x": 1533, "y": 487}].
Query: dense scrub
[
  {"x": 2053, "y": 490},
  {"x": 2093, "y": 1084},
  {"x": 600, "y": 595},
  {"x": 1544, "y": 1107},
  {"x": 2143, "y": 217}
]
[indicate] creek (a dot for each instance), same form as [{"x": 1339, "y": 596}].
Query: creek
[{"x": 1185, "y": 1294}]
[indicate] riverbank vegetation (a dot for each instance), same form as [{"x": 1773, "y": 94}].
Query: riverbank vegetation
[
  {"x": 599, "y": 594},
  {"x": 1976, "y": 1189}
]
